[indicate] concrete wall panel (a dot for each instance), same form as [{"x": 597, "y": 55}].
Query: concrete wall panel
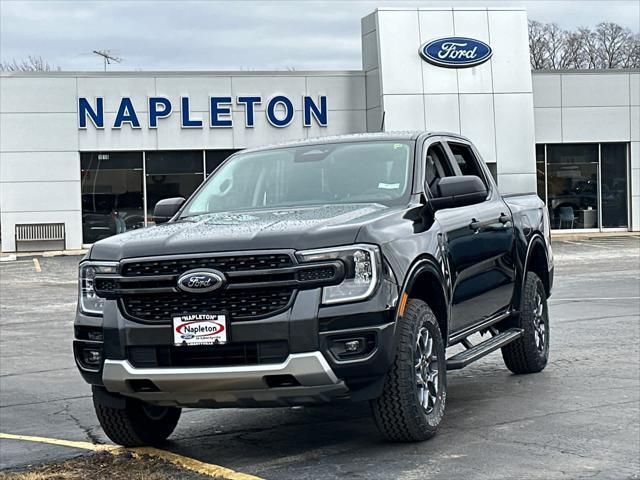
[
  {"x": 477, "y": 122},
  {"x": 547, "y": 90},
  {"x": 39, "y": 166},
  {"x": 509, "y": 37},
  {"x": 24, "y": 132},
  {"x": 398, "y": 43},
  {"x": 38, "y": 95},
  {"x": 595, "y": 90},
  {"x": 595, "y": 124},
  {"x": 548, "y": 125}
]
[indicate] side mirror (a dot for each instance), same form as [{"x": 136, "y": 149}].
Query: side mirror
[
  {"x": 458, "y": 192},
  {"x": 165, "y": 209}
]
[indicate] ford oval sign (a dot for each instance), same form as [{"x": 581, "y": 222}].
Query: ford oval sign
[
  {"x": 201, "y": 281},
  {"x": 456, "y": 52}
]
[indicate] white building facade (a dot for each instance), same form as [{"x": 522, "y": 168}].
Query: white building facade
[{"x": 89, "y": 154}]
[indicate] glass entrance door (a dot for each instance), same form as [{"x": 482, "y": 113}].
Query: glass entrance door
[{"x": 613, "y": 167}]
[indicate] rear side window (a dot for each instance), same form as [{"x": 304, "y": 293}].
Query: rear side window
[
  {"x": 467, "y": 161},
  {"x": 436, "y": 167}
]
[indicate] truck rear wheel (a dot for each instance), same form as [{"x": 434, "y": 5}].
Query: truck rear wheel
[
  {"x": 529, "y": 353},
  {"x": 138, "y": 423},
  {"x": 412, "y": 403}
]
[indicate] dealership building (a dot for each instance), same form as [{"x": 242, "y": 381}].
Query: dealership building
[{"x": 85, "y": 155}]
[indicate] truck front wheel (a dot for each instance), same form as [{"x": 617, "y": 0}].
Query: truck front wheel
[
  {"x": 137, "y": 423},
  {"x": 529, "y": 353},
  {"x": 412, "y": 403}
]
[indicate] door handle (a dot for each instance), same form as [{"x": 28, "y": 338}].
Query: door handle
[
  {"x": 475, "y": 225},
  {"x": 504, "y": 218}
]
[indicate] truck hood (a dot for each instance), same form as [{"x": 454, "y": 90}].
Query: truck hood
[{"x": 295, "y": 228}]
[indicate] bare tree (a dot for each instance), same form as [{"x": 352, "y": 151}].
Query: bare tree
[
  {"x": 572, "y": 52},
  {"x": 588, "y": 48},
  {"x": 537, "y": 45},
  {"x": 30, "y": 64},
  {"x": 614, "y": 42},
  {"x": 633, "y": 59},
  {"x": 555, "y": 44},
  {"x": 607, "y": 46}
]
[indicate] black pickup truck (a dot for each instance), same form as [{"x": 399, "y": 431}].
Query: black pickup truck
[{"x": 336, "y": 269}]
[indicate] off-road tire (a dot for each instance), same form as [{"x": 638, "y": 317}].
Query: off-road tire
[
  {"x": 133, "y": 426},
  {"x": 398, "y": 412},
  {"x": 523, "y": 355}
]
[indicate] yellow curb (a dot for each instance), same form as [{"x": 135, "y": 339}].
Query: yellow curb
[
  {"x": 194, "y": 465},
  {"x": 210, "y": 469},
  {"x": 62, "y": 443}
]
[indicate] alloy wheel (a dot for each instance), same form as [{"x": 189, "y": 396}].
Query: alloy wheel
[
  {"x": 426, "y": 370},
  {"x": 539, "y": 323}
]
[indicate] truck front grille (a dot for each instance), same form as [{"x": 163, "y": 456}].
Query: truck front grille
[
  {"x": 238, "y": 304},
  {"x": 256, "y": 284},
  {"x": 227, "y": 263}
]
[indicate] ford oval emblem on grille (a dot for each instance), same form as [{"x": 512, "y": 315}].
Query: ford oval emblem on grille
[{"x": 201, "y": 281}]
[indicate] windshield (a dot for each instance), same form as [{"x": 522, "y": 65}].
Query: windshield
[{"x": 359, "y": 172}]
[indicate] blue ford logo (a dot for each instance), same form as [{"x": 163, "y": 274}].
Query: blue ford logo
[
  {"x": 456, "y": 52},
  {"x": 201, "y": 281}
]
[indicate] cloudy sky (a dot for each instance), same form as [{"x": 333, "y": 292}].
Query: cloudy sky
[{"x": 232, "y": 35}]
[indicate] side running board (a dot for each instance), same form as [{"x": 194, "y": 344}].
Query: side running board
[{"x": 463, "y": 359}]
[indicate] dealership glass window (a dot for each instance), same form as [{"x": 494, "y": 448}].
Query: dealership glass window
[
  {"x": 541, "y": 172},
  {"x": 171, "y": 174},
  {"x": 572, "y": 173},
  {"x": 111, "y": 184},
  {"x": 613, "y": 167},
  {"x": 586, "y": 184},
  {"x": 216, "y": 157}
]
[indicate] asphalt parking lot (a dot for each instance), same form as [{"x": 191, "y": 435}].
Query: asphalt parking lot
[{"x": 580, "y": 418}]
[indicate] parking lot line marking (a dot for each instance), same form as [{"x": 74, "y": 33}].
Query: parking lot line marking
[
  {"x": 36, "y": 264},
  {"x": 591, "y": 298},
  {"x": 210, "y": 469},
  {"x": 587, "y": 244}
]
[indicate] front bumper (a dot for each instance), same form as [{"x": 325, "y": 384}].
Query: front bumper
[
  {"x": 310, "y": 373},
  {"x": 310, "y": 379}
]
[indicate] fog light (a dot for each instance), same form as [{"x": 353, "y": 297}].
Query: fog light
[
  {"x": 92, "y": 357},
  {"x": 352, "y": 346}
]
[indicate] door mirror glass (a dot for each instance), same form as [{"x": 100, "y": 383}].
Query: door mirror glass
[
  {"x": 166, "y": 209},
  {"x": 459, "y": 191}
]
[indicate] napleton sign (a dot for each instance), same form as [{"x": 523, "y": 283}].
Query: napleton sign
[{"x": 279, "y": 111}]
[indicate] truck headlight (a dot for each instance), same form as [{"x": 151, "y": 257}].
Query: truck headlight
[
  {"x": 89, "y": 302},
  {"x": 362, "y": 271}
]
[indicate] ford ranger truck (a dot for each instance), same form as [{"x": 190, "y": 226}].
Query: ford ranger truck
[{"x": 336, "y": 269}]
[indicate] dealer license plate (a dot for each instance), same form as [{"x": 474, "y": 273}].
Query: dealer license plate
[{"x": 200, "y": 329}]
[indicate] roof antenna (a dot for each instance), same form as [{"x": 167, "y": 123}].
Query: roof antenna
[
  {"x": 382, "y": 123},
  {"x": 107, "y": 57}
]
